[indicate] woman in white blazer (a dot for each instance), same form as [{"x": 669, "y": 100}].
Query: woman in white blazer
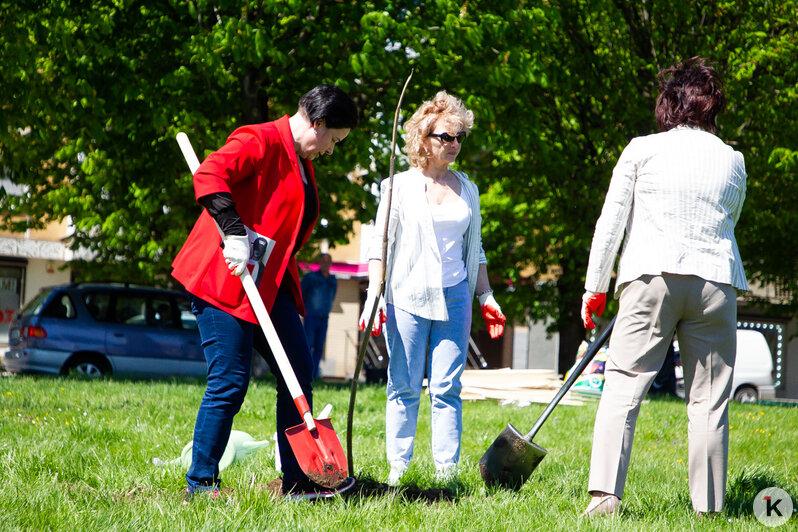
[
  {"x": 677, "y": 196},
  {"x": 435, "y": 266}
]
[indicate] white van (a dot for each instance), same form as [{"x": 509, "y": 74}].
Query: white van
[{"x": 753, "y": 369}]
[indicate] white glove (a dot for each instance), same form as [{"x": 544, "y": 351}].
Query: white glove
[
  {"x": 236, "y": 253},
  {"x": 379, "y": 319},
  {"x": 488, "y": 299}
]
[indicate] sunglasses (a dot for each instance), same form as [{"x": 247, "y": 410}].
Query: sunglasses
[{"x": 447, "y": 138}]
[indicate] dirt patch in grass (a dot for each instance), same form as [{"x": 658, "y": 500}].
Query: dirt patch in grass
[{"x": 366, "y": 487}]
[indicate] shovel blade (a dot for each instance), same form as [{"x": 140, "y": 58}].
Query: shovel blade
[
  {"x": 319, "y": 453},
  {"x": 510, "y": 460}
]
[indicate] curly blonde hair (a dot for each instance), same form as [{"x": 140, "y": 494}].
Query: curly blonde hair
[{"x": 442, "y": 106}]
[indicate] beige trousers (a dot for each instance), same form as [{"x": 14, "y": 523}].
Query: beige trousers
[{"x": 704, "y": 316}]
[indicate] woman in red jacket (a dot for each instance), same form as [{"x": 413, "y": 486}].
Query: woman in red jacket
[{"x": 259, "y": 188}]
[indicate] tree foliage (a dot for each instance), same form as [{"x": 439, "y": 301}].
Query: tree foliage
[{"x": 94, "y": 93}]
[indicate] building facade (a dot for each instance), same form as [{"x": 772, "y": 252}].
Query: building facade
[{"x": 29, "y": 262}]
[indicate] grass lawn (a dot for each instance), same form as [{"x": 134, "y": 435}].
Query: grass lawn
[{"x": 77, "y": 455}]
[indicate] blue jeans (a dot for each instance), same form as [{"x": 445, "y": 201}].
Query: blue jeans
[
  {"x": 407, "y": 337},
  {"x": 316, "y": 332},
  {"x": 227, "y": 342}
]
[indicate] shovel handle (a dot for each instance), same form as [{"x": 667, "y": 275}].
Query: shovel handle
[
  {"x": 277, "y": 349},
  {"x": 260, "y": 311},
  {"x": 576, "y": 372}
]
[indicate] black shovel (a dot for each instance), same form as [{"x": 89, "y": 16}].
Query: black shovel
[{"x": 512, "y": 457}]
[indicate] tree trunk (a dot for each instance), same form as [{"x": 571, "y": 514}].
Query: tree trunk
[
  {"x": 571, "y": 335},
  {"x": 569, "y": 325},
  {"x": 254, "y": 102}
]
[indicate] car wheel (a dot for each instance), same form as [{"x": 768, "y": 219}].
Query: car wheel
[
  {"x": 87, "y": 367},
  {"x": 746, "y": 394}
]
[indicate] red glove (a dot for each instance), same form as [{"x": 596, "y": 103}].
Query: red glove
[
  {"x": 492, "y": 313},
  {"x": 379, "y": 319},
  {"x": 592, "y": 303}
]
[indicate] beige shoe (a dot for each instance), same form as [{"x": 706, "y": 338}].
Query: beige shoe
[
  {"x": 397, "y": 471},
  {"x": 445, "y": 474},
  {"x": 601, "y": 505}
]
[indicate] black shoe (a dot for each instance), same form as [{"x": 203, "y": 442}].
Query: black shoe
[{"x": 308, "y": 491}]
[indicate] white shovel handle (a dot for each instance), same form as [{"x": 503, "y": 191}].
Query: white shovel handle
[
  {"x": 277, "y": 348},
  {"x": 188, "y": 152},
  {"x": 256, "y": 302}
]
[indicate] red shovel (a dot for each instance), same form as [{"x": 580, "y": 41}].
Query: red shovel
[{"x": 314, "y": 442}]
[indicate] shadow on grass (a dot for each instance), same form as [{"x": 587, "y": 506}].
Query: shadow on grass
[
  {"x": 367, "y": 487},
  {"x": 744, "y": 487}
]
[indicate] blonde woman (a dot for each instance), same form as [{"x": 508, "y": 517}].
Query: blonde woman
[{"x": 435, "y": 266}]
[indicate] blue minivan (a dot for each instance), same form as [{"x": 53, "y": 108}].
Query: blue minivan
[{"x": 98, "y": 329}]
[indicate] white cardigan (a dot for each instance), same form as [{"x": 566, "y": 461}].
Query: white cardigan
[
  {"x": 677, "y": 195},
  {"x": 414, "y": 271}
]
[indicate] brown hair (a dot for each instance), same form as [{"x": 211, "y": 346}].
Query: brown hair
[
  {"x": 691, "y": 94},
  {"x": 443, "y": 105}
]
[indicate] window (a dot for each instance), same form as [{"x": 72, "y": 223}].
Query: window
[
  {"x": 187, "y": 318},
  {"x": 10, "y": 295},
  {"x": 160, "y": 313},
  {"x": 150, "y": 310},
  {"x": 131, "y": 309},
  {"x": 60, "y": 307},
  {"x": 99, "y": 304},
  {"x": 36, "y": 304}
]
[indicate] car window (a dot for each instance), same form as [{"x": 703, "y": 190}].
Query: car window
[
  {"x": 60, "y": 307},
  {"x": 36, "y": 304},
  {"x": 99, "y": 304},
  {"x": 187, "y": 318},
  {"x": 161, "y": 314},
  {"x": 131, "y": 309}
]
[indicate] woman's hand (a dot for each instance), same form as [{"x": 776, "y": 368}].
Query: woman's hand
[
  {"x": 379, "y": 319},
  {"x": 592, "y": 303},
  {"x": 236, "y": 253},
  {"x": 492, "y": 313}
]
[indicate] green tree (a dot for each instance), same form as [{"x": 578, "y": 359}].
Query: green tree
[
  {"x": 592, "y": 87},
  {"x": 93, "y": 95}
]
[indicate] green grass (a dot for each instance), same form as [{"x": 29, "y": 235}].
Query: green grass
[{"x": 77, "y": 455}]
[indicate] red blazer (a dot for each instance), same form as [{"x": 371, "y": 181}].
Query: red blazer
[{"x": 258, "y": 165}]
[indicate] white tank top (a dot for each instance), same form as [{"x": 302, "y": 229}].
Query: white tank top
[{"x": 450, "y": 222}]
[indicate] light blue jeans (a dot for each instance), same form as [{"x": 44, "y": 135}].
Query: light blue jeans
[{"x": 407, "y": 337}]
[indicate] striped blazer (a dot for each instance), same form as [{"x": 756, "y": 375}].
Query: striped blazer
[
  {"x": 677, "y": 196},
  {"x": 414, "y": 271}
]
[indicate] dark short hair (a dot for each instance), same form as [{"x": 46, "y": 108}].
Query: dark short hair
[
  {"x": 691, "y": 94},
  {"x": 331, "y": 104}
]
